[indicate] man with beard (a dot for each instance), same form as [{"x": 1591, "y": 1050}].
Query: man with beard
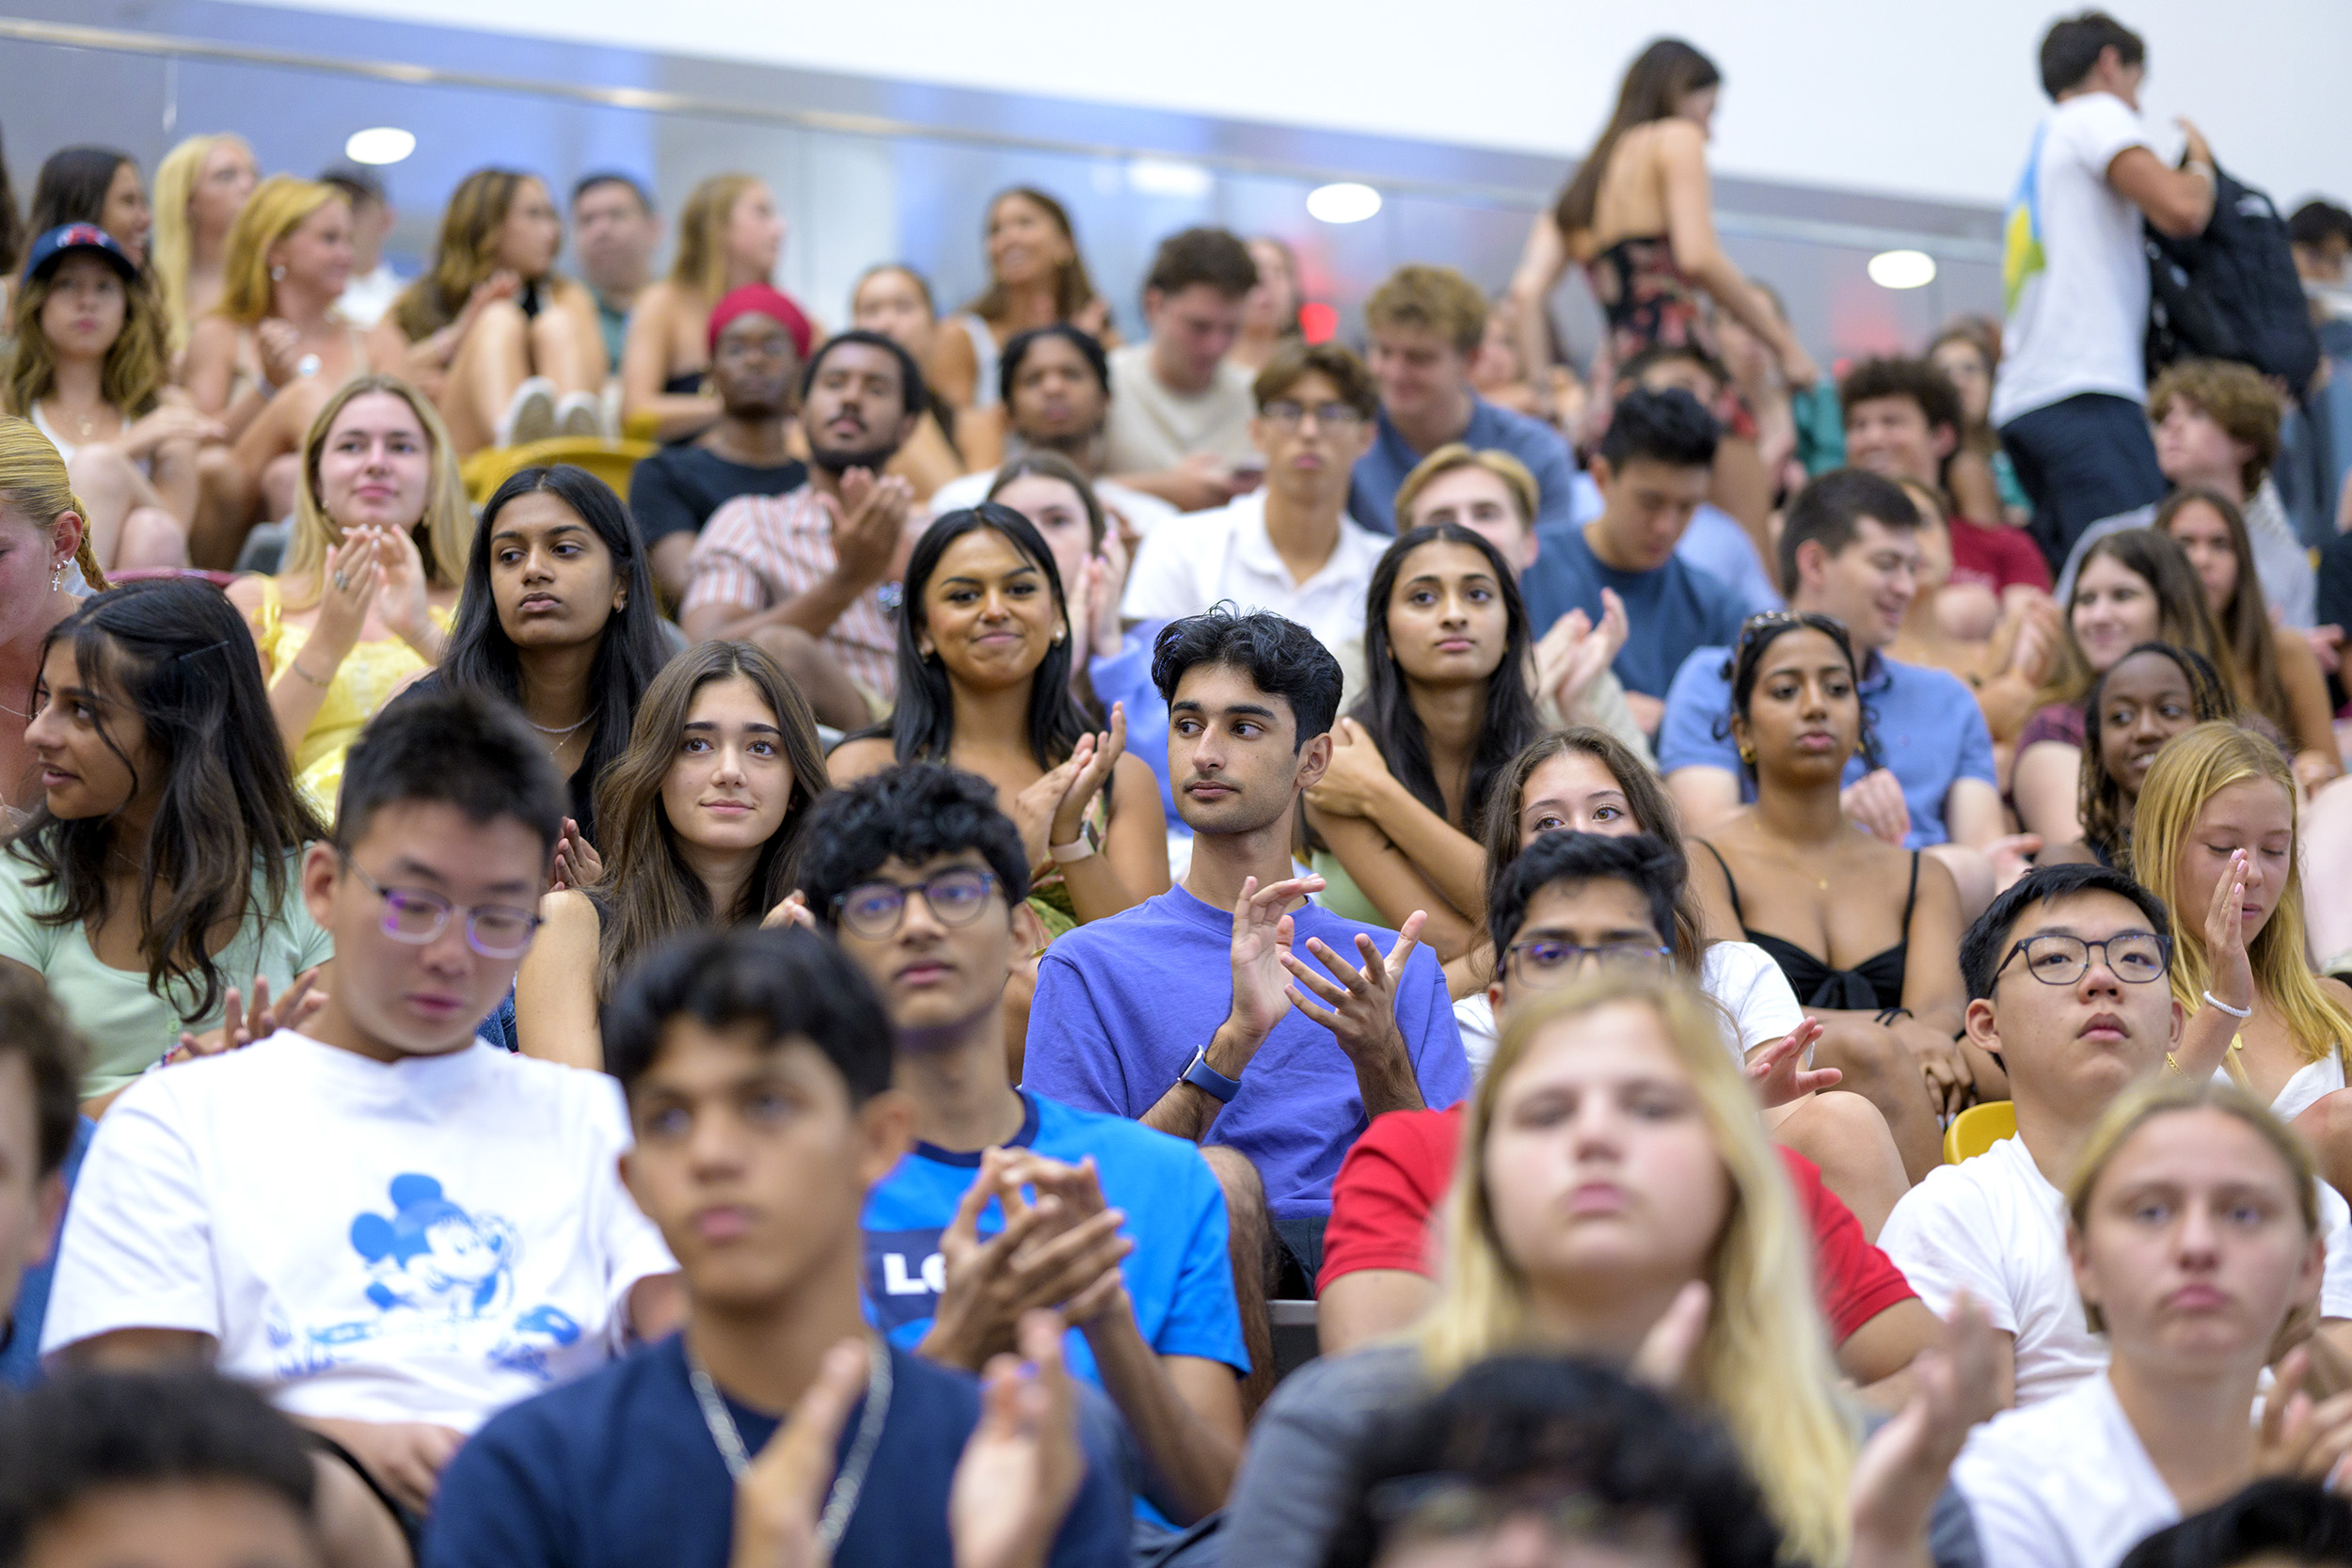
[
  {"x": 1056, "y": 386},
  {"x": 1288, "y": 1064},
  {"x": 810, "y": 574},
  {"x": 758, "y": 340}
]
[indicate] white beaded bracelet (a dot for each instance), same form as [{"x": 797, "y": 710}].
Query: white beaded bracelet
[{"x": 2233, "y": 1012}]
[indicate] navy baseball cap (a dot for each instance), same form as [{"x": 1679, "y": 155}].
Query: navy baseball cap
[{"x": 76, "y": 236}]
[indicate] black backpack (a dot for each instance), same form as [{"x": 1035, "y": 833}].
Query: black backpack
[{"x": 2231, "y": 292}]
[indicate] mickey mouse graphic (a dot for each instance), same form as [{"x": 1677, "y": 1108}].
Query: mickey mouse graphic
[{"x": 432, "y": 1257}]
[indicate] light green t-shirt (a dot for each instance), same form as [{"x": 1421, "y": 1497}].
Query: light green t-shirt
[{"x": 128, "y": 1026}]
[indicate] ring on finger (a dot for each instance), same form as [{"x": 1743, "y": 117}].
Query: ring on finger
[{"x": 343, "y": 581}]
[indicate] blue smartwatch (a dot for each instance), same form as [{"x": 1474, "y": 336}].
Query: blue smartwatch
[{"x": 1201, "y": 1076}]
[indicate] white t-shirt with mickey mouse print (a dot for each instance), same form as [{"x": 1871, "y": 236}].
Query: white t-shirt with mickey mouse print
[{"x": 426, "y": 1239}]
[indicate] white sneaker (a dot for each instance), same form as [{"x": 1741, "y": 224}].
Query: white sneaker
[
  {"x": 581, "y": 414},
  {"x": 529, "y": 415}
]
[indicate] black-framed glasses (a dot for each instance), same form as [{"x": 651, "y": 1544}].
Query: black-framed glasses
[
  {"x": 415, "y": 917},
  {"x": 2133, "y": 958},
  {"x": 1543, "y": 962},
  {"x": 955, "y": 896},
  {"x": 1289, "y": 412}
]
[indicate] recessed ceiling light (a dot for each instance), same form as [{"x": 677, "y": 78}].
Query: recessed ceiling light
[
  {"x": 1167, "y": 177},
  {"x": 1344, "y": 202},
  {"x": 381, "y": 144},
  {"x": 1902, "y": 269}
]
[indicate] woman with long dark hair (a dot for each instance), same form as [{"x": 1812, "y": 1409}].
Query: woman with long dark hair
[
  {"x": 95, "y": 184},
  {"x": 557, "y": 616},
  {"x": 2278, "y": 677},
  {"x": 702, "y": 819},
  {"x": 1797, "y": 716},
  {"x": 1402, "y": 806},
  {"x": 2150, "y": 695},
  {"x": 160, "y": 872},
  {"x": 1639, "y": 218},
  {"x": 984, "y": 657}
]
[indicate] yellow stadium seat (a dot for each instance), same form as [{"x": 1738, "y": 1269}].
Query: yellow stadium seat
[
  {"x": 1978, "y": 1129},
  {"x": 608, "y": 460}
]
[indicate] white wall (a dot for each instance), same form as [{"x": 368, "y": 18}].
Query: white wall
[{"x": 1919, "y": 99}]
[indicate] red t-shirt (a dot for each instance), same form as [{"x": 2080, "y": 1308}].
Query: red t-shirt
[
  {"x": 1392, "y": 1180},
  {"x": 1996, "y": 554}
]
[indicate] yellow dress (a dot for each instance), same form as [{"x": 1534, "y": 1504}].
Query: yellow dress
[{"x": 365, "y": 680}]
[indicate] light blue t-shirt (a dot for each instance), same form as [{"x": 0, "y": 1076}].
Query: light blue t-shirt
[
  {"x": 1372, "y": 496},
  {"x": 1180, "y": 1278},
  {"x": 1122, "y": 1004},
  {"x": 1928, "y": 729}
]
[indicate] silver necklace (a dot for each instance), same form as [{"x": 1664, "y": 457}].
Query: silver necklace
[
  {"x": 841, "y": 1501},
  {"x": 549, "y": 729}
]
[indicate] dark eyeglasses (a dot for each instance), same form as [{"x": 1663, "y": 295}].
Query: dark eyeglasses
[
  {"x": 955, "y": 897},
  {"x": 1542, "y": 962},
  {"x": 2135, "y": 958},
  {"x": 415, "y": 917}
]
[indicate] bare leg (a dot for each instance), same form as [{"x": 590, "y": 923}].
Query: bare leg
[
  {"x": 1880, "y": 1069},
  {"x": 1741, "y": 486},
  {"x": 150, "y": 537},
  {"x": 1973, "y": 873},
  {"x": 494, "y": 359},
  {"x": 819, "y": 674},
  {"x": 223, "y": 508},
  {"x": 108, "y": 484},
  {"x": 1846, "y": 1136},
  {"x": 2327, "y": 850},
  {"x": 1249, "y": 1241},
  {"x": 557, "y": 353},
  {"x": 282, "y": 486}
]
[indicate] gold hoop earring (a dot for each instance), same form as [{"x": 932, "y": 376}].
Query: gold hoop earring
[{"x": 1747, "y": 754}]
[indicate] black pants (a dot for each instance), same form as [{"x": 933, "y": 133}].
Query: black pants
[{"x": 2081, "y": 459}]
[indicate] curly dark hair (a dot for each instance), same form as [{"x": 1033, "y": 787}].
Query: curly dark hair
[
  {"x": 2104, "y": 824},
  {"x": 915, "y": 811}
]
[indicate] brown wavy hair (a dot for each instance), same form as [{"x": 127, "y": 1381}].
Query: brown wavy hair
[
  {"x": 136, "y": 365},
  {"x": 1657, "y": 80},
  {"x": 648, "y": 892},
  {"x": 2244, "y": 623},
  {"x": 465, "y": 256},
  {"x": 2157, "y": 560}
]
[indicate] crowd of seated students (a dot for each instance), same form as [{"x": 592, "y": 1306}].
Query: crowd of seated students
[{"x": 843, "y": 1007}]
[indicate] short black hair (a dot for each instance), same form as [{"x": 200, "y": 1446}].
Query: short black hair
[
  {"x": 1560, "y": 856},
  {"x": 1666, "y": 427},
  {"x": 917, "y": 810},
  {"x": 93, "y": 1431},
  {"x": 613, "y": 177},
  {"x": 1532, "y": 1430},
  {"x": 455, "y": 746},
  {"x": 912, "y": 391},
  {"x": 1889, "y": 375},
  {"x": 33, "y": 1027},
  {"x": 1017, "y": 349},
  {"x": 2072, "y": 47},
  {"x": 1211, "y": 255},
  {"x": 1830, "y": 509},
  {"x": 2279, "y": 1516},
  {"x": 1984, "y": 945},
  {"x": 2316, "y": 222},
  {"x": 1282, "y": 658},
  {"x": 788, "y": 983}
]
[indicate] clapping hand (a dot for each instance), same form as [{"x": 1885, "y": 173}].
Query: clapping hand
[
  {"x": 1100, "y": 755},
  {"x": 1573, "y": 654},
  {"x": 792, "y": 909},
  {"x": 867, "y": 523},
  {"x": 240, "y": 1027},
  {"x": 1044, "y": 1256},
  {"x": 1361, "y": 1011},
  {"x": 1902, "y": 1467},
  {"x": 577, "y": 863},
  {"x": 1021, "y": 1465},
  {"x": 2300, "y": 1435},
  {"x": 780, "y": 1500},
  {"x": 1261, "y": 946}
]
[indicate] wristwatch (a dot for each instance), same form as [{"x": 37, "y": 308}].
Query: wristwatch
[{"x": 1201, "y": 1076}]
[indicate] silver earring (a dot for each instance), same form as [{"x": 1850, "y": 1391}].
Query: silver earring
[
  {"x": 278, "y": 272},
  {"x": 56, "y": 578}
]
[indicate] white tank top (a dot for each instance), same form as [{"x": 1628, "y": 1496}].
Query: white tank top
[
  {"x": 67, "y": 449},
  {"x": 985, "y": 355}
]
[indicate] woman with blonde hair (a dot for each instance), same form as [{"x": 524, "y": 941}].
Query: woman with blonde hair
[
  {"x": 509, "y": 350},
  {"x": 365, "y": 597},
  {"x": 729, "y": 233},
  {"x": 90, "y": 372},
  {"x": 201, "y": 187},
  {"x": 44, "y": 544},
  {"x": 266, "y": 357},
  {"x": 2215, "y": 836},
  {"x": 2197, "y": 1236},
  {"x": 1614, "y": 1197}
]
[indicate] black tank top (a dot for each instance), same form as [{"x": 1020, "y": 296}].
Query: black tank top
[{"x": 1874, "y": 984}]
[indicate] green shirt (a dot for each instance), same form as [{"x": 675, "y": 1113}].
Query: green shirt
[{"x": 129, "y": 1027}]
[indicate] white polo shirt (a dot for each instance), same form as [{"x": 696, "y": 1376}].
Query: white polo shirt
[{"x": 1204, "y": 557}]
